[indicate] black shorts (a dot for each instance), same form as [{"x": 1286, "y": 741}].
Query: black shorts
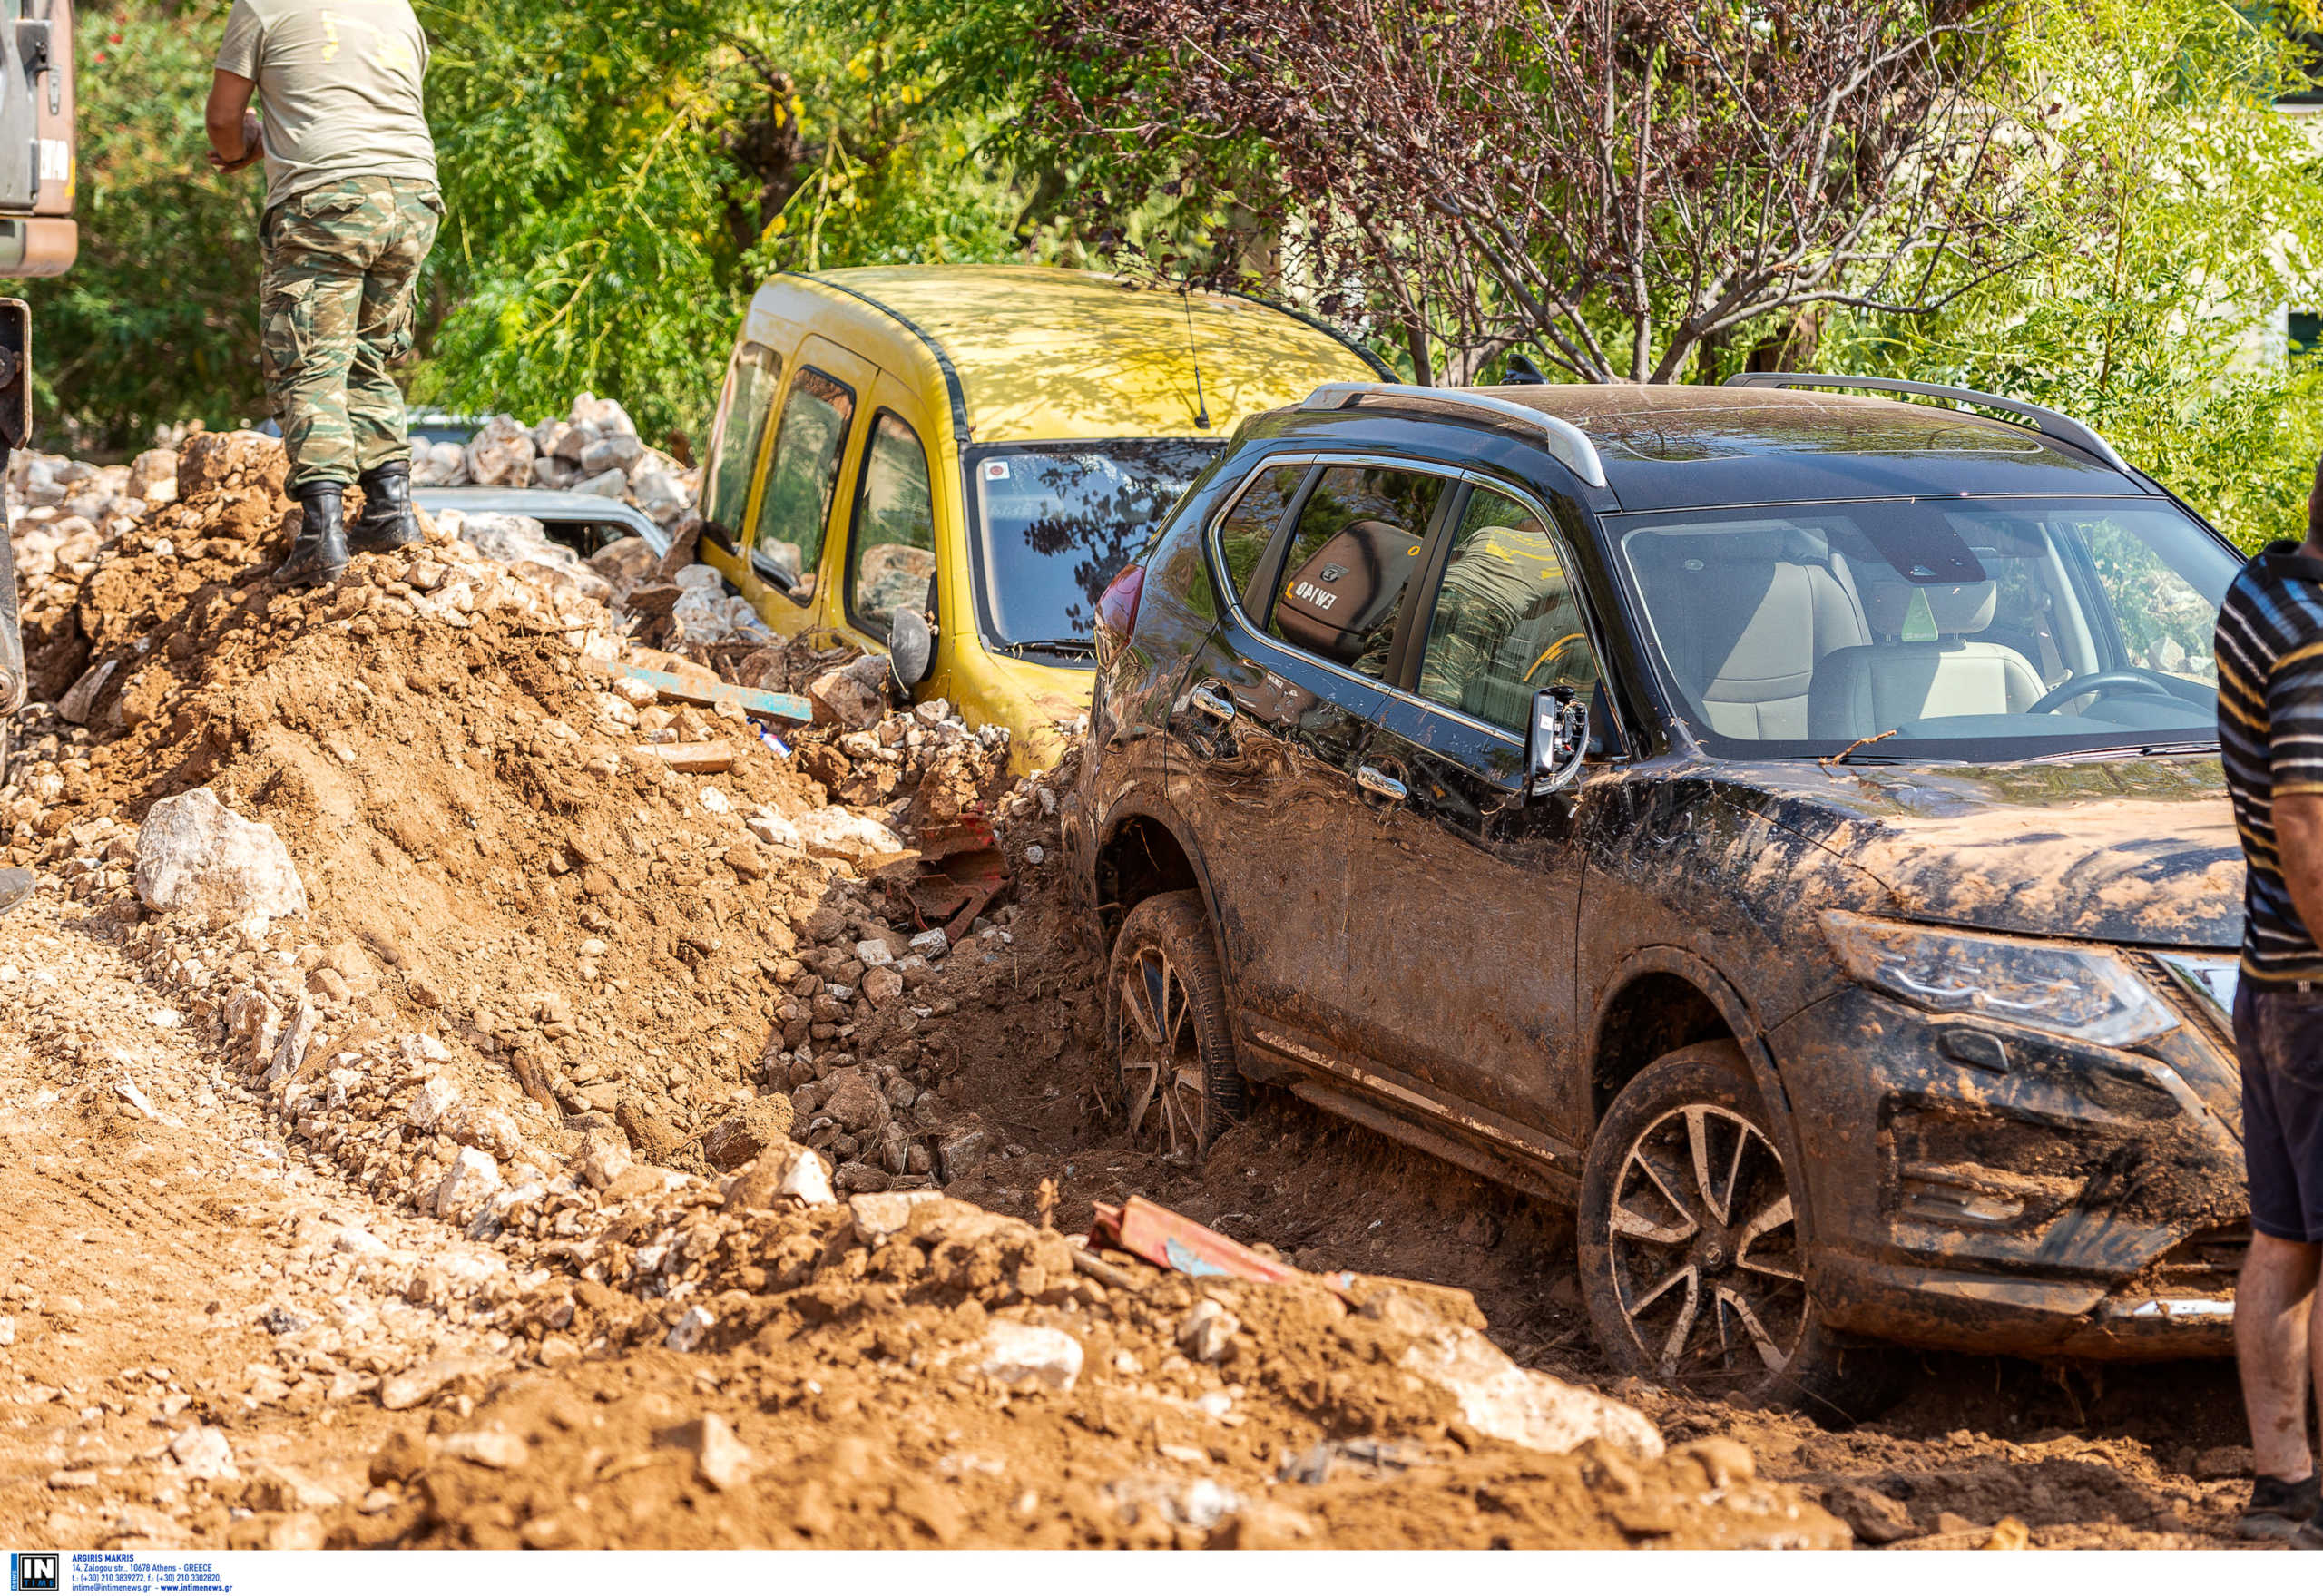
[{"x": 2279, "y": 1039}]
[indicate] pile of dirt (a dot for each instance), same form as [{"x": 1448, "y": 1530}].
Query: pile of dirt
[{"x": 619, "y": 989}]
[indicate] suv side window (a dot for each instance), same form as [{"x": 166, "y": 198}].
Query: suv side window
[
  {"x": 892, "y": 558},
  {"x": 801, "y": 481},
  {"x": 750, "y": 382},
  {"x": 1506, "y": 623},
  {"x": 1249, "y": 527},
  {"x": 1357, "y": 542}
]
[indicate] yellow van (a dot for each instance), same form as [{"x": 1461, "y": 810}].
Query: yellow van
[{"x": 989, "y": 445}]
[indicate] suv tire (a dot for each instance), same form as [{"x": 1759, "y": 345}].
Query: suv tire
[
  {"x": 1165, "y": 1009},
  {"x": 1702, "y": 1284}
]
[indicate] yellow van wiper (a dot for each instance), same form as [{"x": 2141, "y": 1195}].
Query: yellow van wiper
[{"x": 1079, "y": 647}]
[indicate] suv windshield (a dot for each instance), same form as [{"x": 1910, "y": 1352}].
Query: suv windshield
[
  {"x": 1943, "y": 629},
  {"x": 1057, "y": 522}
]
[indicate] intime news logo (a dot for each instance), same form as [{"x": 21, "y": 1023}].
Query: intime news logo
[{"x": 34, "y": 1570}]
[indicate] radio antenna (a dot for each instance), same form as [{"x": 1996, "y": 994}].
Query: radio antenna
[{"x": 1201, "y": 407}]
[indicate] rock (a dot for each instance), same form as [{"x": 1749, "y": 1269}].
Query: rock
[
  {"x": 604, "y": 414},
  {"x": 279, "y": 1488},
  {"x": 480, "y": 1125},
  {"x": 604, "y": 1156},
  {"x": 716, "y": 802},
  {"x": 756, "y": 1128},
  {"x": 806, "y": 1180},
  {"x": 883, "y": 985},
  {"x": 196, "y": 856},
  {"x": 691, "y": 1326},
  {"x": 546, "y": 438},
  {"x": 1016, "y": 1354},
  {"x": 616, "y": 451},
  {"x": 575, "y": 438},
  {"x": 842, "y": 834},
  {"x": 773, "y": 830},
  {"x": 473, "y": 1176},
  {"x": 718, "y": 1456},
  {"x": 875, "y": 952},
  {"x": 931, "y": 944},
  {"x": 1206, "y": 1330},
  {"x": 1875, "y": 1519},
  {"x": 855, "y": 1101},
  {"x": 881, "y": 1214},
  {"x": 201, "y": 1451},
  {"x": 493, "y": 1449},
  {"x": 415, "y": 1386},
  {"x": 432, "y": 1102},
  {"x": 500, "y": 453},
  {"x": 844, "y": 700},
  {"x": 605, "y": 485},
  {"x": 960, "y": 1150},
  {"x": 855, "y": 1176},
  {"x": 154, "y": 476},
  {"x": 229, "y": 459},
  {"x": 437, "y": 465},
  {"x": 1523, "y": 1407},
  {"x": 661, "y": 495}
]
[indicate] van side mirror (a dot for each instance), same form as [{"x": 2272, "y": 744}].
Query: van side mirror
[
  {"x": 1558, "y": 741},
  {"x": 911, "y": 644}
]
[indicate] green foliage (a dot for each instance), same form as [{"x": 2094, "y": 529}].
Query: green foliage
[
  {"x": 621, "y": 176},
  {"x": 158, "y": 321},
  {"x": 2175, "y": 210}
]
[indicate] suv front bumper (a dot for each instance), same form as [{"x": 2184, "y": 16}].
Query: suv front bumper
[{"x": 2050, "y": 1198}]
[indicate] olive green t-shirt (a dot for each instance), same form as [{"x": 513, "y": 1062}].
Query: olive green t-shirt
[{"x": 340, "y": 83}]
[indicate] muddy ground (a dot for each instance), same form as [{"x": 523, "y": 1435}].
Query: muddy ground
[{"x": 245, "y": 1300}]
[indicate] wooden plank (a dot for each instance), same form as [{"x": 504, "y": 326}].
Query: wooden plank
[
  {"x": 696, "y": 759},
  {"x": 707, "y": 690}
]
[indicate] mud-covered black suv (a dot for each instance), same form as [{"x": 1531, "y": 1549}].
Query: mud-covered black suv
[{"x": 1785, "y": 826}]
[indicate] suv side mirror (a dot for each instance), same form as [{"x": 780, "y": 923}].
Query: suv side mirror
[
  {"x": 1558, "y": 742},
  {"x": 911, "y": 644}
]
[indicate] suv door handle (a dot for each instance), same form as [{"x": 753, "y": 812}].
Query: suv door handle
[
  {"x": 1212, "y": 703},
  {"x": 1372, "y": 781}
]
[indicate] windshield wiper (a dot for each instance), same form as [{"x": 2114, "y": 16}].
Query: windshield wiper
[
  {"x": 2153, "y": 749},
  {"x": 1078, "y": 647}
]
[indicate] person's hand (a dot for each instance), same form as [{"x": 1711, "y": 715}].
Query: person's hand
[{"x": 253, "y": 145}]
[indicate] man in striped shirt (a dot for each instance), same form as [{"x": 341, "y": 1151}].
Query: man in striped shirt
[{"x": 2270, "y": 739}]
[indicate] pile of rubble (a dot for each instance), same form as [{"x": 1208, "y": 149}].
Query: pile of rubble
[
  {"x": 668, "y": 1007},
  {"x": 593, "y": 449}
]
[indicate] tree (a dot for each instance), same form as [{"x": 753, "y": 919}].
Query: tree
[
  {"x": 2170, "y": 212},
  {"x": 157, "y": 322},
  {"x": 1608, "y": 184},
  {"x": 621, "y": 173}
]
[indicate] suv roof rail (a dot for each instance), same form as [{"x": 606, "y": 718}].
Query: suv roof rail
[
  {"x": 2056, "y": 424},
  {"x": 1567, "y": 442}
]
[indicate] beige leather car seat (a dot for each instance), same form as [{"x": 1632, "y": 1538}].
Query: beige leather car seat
[
  {"x": 1743, "y": 617},
  {"x": 1861, "y": 691}
]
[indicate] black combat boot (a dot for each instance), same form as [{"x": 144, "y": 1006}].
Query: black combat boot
[
  {"x": 386, "y": 521},
  {"x": 319, "y": 554}
]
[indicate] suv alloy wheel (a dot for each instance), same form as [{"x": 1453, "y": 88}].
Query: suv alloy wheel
[
  {"x": 1691, "y": 1261},
  {"x": 1174, "y": 1054}
]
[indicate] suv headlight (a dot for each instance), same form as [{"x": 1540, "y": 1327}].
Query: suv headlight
[{"x": 2086, "y": 994}]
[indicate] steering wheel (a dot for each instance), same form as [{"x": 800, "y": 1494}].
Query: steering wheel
[{"x": 2098, "y": 681}]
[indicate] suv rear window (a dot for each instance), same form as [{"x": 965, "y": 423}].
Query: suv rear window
[{"x": 1359, "y": 542}]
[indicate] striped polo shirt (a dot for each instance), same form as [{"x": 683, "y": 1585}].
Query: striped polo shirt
[{"x": 2270, "y": 739}]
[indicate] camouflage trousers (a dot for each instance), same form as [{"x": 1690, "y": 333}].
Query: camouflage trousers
[{"x": 335, "y": 312}]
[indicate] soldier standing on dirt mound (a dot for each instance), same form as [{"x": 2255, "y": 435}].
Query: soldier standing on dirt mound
[{"x": 351, "y": 210}]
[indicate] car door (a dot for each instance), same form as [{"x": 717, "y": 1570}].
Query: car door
[
  {"x": 1464, "y": 903},
  {"x": 1278, "y": 706},
  {"x": 891, "y": 546},
  {"x": 793, "y": 552}
]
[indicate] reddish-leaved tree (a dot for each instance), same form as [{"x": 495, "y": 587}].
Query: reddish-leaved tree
[{"x": 1611, "y": 184}]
